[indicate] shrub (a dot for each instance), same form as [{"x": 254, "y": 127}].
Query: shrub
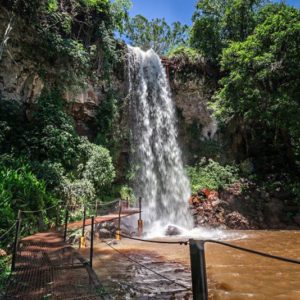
[
  {"x": 126, "y": 192},
  {"x": 4, "y": 272},
  {"x": 20, "y": 189},
  {"x": 98, "y": 168},
  {"x": 210, "y": 174},
  {"x": 191, "y": 54},
  {"x": 78, "y": 191}
]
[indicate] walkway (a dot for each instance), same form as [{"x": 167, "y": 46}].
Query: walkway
[
  {"x": 47, "y": 268},
  {"x": 102, "y": 219}
]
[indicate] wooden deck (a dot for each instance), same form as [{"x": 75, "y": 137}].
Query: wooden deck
[{"x": 102, "y": 219}]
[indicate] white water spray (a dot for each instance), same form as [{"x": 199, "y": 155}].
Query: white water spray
[{"x": 160, "y": 177}]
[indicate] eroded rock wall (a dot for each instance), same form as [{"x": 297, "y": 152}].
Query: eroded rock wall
[{"x": 24, "y": 72}]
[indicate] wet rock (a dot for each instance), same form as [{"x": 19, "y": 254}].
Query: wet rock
[
  {"x": 128, "y": 229},
  {"x": 172, "y": 230},
  {"x": 237, "y": 221},
  {"x": 104, "y": 233},
  {"x": 113, "y": 242}
]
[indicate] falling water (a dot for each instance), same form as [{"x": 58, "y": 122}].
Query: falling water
[{"x": 160, "y": 178}]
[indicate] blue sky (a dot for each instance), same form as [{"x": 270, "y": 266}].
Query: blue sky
[{"x": 174, "y": 10}]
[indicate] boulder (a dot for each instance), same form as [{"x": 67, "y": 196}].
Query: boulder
[
  {"x": 235, "y": 220},
  {"x": 172, "y": 230},
  {"x": 104, "y": 233}
]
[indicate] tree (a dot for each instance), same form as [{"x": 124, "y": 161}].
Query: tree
[
  {"x": 155, "y": 34},
  {"x": 261, "y": 87},
  {"x": 218, "y": 22},
  {"x": 51, "y": 135}
]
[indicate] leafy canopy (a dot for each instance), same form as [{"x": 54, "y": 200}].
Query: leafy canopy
[
  {"x": 217, "y": 22},
  {"x": 262, "y": 83},
  {"x": 155, "y": 34}
]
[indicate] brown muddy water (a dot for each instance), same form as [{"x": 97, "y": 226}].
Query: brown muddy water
[{"x": 232, "y": 274}]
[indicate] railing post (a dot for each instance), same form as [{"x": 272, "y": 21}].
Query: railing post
[
  {"x": 15, "y": 246},
  {"x": 140, "y": 221},
  {"x": 83, "y": 224},
  {"x": 118, "y": 232},
  {"x": 198, "y": 268},
  {"x": 96, "y": 209},
  {"x": 66, "y": 224},
  {"x": 92, "y": 242},
  {"x": 56, "y": 219}
]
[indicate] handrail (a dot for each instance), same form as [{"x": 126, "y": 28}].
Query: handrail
[
  {"x": 198, "y": 264},
  {"x": 153, "y": 241},
  {"x": 8, "y": 230},
  {"x": 39, "y": 210},
  {"x": 285, "y": 259}
]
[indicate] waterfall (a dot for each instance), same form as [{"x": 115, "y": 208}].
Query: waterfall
[{"x": 160, "y": 178}]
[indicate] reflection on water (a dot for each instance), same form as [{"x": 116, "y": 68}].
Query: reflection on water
[
  {"x": 238, "y": 275},
  {"x": 232, "y": 274}
]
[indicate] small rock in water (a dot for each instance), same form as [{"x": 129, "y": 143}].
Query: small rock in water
[
  {"x": 104, "y": 233},
  {"x": 172, "y": 230},
  {"x": 113, "y": 242}
]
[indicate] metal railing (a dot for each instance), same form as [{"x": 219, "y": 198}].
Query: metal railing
[{"x": 198, "y": 264}]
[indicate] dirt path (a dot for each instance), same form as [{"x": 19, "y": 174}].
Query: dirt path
[{"x": 48, "y": 268}]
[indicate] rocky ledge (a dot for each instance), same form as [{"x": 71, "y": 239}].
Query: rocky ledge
[{"x": 243, "y": 206}]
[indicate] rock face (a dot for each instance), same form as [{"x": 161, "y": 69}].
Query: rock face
[
  {"x": 193, "y": 85},
  {"x": 23, "y": 75},
  {"x": 19, "y": 79},
  {"x": 234, "y": 208},
  {"x": 191, "y": 99}
]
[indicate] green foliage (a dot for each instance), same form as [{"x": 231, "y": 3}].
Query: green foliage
[
  {"x": 205, "y": 37},
  {"x": 4, "y": 273},
  {"x": 73, "y": 51},
  {"x": 218, "y": 22},
  {"x": 184, "y": 51},
  {"x": 295, "y": 188},
  {"x": 67, "y": 32},
  {"x": 52, "y": 5},
  {"x": 261, "y": 87},
  {"x": 210, "y": 174},
  {"x": 80, "y": 191},
  {"x": 20, "y": 189},
  {"x": 119, "y": 11},
  {"x": 98, "y": 168},
  {"x": 107, "y": 119},
  {"x": 11, "y": 125},
  {"x": 51, "y": 172},
  {"x": 49, "y": 158},
  {"x": 155, "y": 34},
  {"x": 126, "y": 193},
  {"x": 52, "y": 135}
]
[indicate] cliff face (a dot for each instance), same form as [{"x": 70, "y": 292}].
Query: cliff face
[
  {"x": 24, "y": 72},
  {"x": 193, "y": 83},
  {"x": 19, "y": 79}
]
